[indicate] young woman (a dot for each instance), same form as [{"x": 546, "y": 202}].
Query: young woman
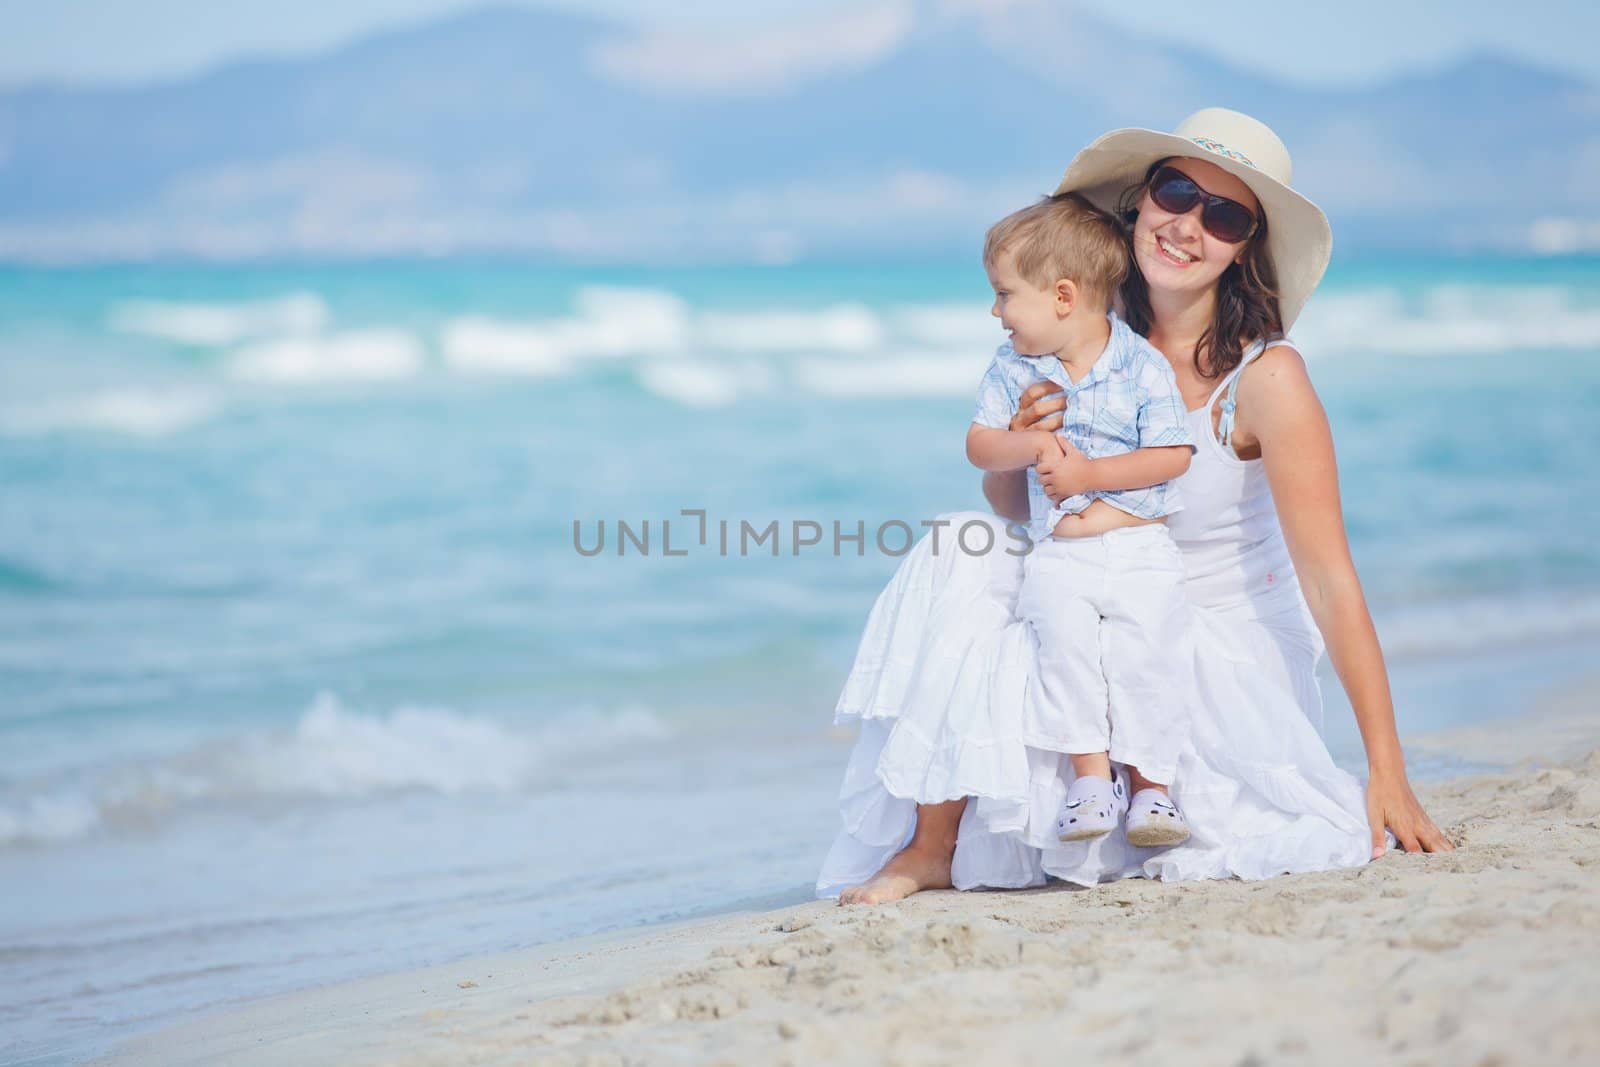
[{"x": 941, "y": 789}]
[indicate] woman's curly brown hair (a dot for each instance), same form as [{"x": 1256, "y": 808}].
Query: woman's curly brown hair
[{"x": 1247, "y": 296}]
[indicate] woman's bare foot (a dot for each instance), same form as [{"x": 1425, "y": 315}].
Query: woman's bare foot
[
  {"x": 923, "y": 864},
  {"x": 911, "y": 870}
]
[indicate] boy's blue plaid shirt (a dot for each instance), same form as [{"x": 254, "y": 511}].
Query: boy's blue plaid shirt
[{"x": 1128, "y": 400}]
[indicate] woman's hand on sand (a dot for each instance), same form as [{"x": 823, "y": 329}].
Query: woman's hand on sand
[
  {"x": 1392, "y": 804},
  {"x": 1039, "y": 408}
]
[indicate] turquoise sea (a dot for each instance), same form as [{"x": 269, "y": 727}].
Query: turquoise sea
[{"x": 302, "y": 676}]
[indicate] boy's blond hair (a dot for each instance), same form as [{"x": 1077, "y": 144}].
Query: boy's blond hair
[{"x": 1063, "y": 236}]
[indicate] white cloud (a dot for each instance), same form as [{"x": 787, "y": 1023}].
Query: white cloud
[
  {"x": 1562, "y": 236},
  {"x": 760, "y": 58}
]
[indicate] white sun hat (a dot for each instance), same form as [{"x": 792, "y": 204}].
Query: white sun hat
[{"x": 1298, "y": 237}]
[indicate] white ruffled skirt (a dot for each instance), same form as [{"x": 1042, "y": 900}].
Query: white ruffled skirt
[{"x": 939, "y": 685}]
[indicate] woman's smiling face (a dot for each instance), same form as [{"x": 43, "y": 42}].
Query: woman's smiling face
[{"x": 1173, "y": 252}]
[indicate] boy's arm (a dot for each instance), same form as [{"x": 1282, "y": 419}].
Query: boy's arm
[
  {"x": 1137, "y": 469},
  {"x": 991, "y": 443},
  {"x": 1075, "y": 473},
  {"x": 992, "y": 449}
]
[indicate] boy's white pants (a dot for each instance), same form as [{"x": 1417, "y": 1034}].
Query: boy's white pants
[{"x": 1114, "y": 650}]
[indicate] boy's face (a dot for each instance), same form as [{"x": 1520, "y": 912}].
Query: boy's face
[{"x": 1034, "y": 317}]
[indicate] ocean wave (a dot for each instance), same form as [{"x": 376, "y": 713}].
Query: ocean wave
[
  {"x": 842, "y": 328},
  {"x": 890, "y": 374},
  {"x": 478, "y": 344},
  {"x": 706, "y": 384},
  {"x": 135, "y": 411},
  {"x": 20, "y": 578},
  {"x": 373, "y": 355},
  {"x": 883, "y": 344},
  {"x": 616, "y": 321},
  {"x": 221, "y": 324},
  {"x": 712, "y": 359},
  {"x": 609, "y": 323},
  {"x": 694, "y": 384},
  {"x": 893, "y": 374},
  {"x": 1454, "y": 626},
  {"x": 969, "y": 327},
  {"x": 707, "y": 358},
  {"x": 1437, "y": 320},
  {"x": 332, "y": 753},
  {"x": 1449, "y": 320}
]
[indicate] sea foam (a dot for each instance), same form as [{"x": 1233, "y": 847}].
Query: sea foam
[
  {"x": 137, "y": 411},
  {"x": 373, "y": 355},
  {"x": 843, "y": 328},
  {"x": 1450, "y": 320},
  {"x": 331, "y": 753},
  {"x": 893, "y": 374},
  {"x": 221, "y": 323},
  {"x": 608, "y": 323},
  {"x": 1487, "y": 623},
  {"x": 479, "y": 344}
]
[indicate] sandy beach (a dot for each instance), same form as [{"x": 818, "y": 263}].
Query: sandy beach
[{"x": 1484, "y": 956}]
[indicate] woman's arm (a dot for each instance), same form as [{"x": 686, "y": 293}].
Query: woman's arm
[
  {"x": 1279, "y": 411},
  {"x": 1007, "y": 494}
]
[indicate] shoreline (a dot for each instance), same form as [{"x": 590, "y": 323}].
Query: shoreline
[
  {"x": 353, "y": 1021},
  {"x": 1480, "y": 956}
]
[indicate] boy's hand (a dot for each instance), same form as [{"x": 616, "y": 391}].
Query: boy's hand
[{"x": 1063, "y": 470}]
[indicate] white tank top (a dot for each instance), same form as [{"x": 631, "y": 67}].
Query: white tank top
[{"x": 1233, "y": 547}]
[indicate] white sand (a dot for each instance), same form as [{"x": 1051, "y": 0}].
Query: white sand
[{"x": 1489, "y": 955}]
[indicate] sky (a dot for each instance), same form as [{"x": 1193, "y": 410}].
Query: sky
[{"x": 1350, "y": 43}]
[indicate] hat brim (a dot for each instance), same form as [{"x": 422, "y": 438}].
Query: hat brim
[{"x": 1299, "y": 239}]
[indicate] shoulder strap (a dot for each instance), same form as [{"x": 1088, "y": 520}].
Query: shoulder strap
[{"x": 1231, "y": 384}]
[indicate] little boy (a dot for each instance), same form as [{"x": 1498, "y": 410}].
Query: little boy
[{"x": 1102, "y": 583}]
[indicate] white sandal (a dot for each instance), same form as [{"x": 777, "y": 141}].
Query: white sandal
[
  {"x": 1155, "y": 821},
  {"x": 1093, "y": 807}
]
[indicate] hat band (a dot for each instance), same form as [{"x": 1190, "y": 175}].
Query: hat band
[{"x": 1218, "y": 148}]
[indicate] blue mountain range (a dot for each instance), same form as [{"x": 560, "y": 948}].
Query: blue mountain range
[{"x": 898, "y": 129}]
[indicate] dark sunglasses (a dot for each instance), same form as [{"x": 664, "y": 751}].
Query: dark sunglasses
[{"x": 1176, "y": 193}]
